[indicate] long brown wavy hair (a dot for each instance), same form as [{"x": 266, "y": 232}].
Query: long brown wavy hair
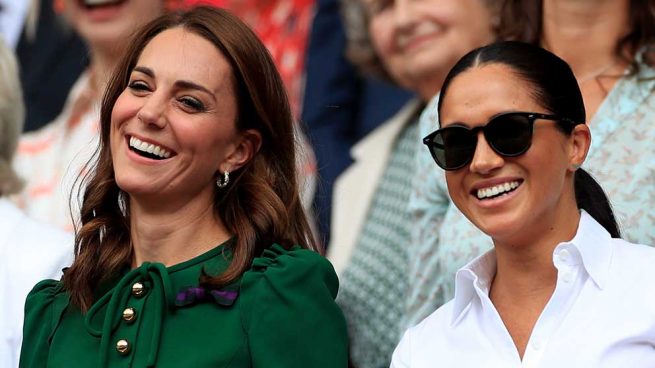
[
  {"x": 261, "y": 204},
  {"x": 521, "y": 20}
]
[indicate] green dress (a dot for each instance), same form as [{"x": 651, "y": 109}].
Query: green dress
[{"x": 281, "y": 313}]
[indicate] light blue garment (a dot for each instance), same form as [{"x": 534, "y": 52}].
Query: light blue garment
[{"x": 621, "y": 158}]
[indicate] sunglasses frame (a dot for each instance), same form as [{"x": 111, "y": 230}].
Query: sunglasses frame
[{"x": 531, "y": 116}]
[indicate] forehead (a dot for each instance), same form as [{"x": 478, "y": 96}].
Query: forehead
[
  {"x": 479, "y": 93},
  {"x": 180, "y": 54}
]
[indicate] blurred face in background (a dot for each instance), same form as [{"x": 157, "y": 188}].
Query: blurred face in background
[
  {"x": 420, "y": 40},
  {"x": 106, "y": 24}
]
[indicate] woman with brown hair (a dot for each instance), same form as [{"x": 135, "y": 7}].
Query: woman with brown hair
[{"x": 193, "y": 248}]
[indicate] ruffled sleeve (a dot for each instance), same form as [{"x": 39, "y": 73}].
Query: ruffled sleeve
[
  {"x": 290, "y": 315},
  {"x": 43, "y": 309}
]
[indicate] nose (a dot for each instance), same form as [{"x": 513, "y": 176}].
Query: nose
[
  {"x": 403, "y": 15},
  {"x": 485, "y": 159},
  {"x": 152, "y": 113}
]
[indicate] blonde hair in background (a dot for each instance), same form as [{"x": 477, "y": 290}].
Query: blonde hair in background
[{"x": 12, "y": 115}]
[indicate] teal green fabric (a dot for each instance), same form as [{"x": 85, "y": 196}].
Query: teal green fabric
[
  {"x": 375, "y": 281},
  {"x": 284, "y": 316}
]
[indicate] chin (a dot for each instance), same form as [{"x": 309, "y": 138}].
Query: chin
[{"x": 498, "y": 226}]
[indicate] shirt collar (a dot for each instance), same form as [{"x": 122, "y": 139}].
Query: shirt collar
[
  {"x": 479, "y": 272},
  {"x": 591, "y": 241}
]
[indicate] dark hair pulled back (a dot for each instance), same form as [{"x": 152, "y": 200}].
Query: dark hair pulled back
[{"x": 555, "y": 88}]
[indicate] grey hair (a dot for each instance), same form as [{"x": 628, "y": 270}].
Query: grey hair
[
  {"x": 12, "y": 116},
  {"x": 359, "y": 46}
]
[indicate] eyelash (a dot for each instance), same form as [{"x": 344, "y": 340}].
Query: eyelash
[
  {"x": 138, "y": 86},
  {"x": 189, "y": 102},
  {"x": 192, "y": 103}
]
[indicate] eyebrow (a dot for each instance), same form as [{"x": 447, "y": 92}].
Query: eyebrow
[{"x": 180, "y": 83}]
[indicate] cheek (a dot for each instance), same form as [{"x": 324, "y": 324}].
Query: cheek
[
  {"x": 471, "y": 23},
  {"x": 125, "y": 108},
  {"x": 455, "y": 183},
  {"x": 154, "y": 7},
  {"x": 380, "y": 30}
]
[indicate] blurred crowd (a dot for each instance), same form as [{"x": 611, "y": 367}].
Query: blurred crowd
[{"x": 363, "y": 79}]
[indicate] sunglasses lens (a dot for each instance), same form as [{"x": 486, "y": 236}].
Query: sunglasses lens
[
  {"x": 509, "y": 135},
  {"x": 453, "y": 147}
]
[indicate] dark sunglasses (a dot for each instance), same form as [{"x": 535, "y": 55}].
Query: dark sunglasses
[{"x": 508, "y": 134}]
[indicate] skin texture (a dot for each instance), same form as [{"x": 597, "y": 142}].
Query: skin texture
[
  {"x": 188, "y": 106},
  {"x": 105, "y": 27},
  {"x": 545, "y": 190},
  {"x": 528, "y": 223},
  {"x": 585, "y": 34},
  {"x": 105, "y": 30},
  {"x": 420, "y": 40}
]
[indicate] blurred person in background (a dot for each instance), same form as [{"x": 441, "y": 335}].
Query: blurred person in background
[
  {"x": 51, "y": 57},
  {"x": 610, "y": 48},
  {"x": 341, "y": 104},
  {"x": 51, "y": 158},
  {"x": 29, "y": 251},
  {"x": 414, "y": 44}
]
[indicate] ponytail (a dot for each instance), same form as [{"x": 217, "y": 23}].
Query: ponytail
[{"x": 590, "y": 197}]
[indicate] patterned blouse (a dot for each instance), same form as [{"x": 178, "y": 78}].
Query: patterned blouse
[{"x": 621, "y": 158}]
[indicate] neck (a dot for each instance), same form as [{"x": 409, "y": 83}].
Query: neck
[
  {"x": 101, "y": 67},
  {"x": 525, "y": 274},
  {"x": 585, "y": 32},
  {"x": 525, "y": 263},
  {"x": 174, "y": 235}
]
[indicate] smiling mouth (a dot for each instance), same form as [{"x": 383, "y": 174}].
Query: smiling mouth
[
  {"x": 496, "y": 191},
  {"x": 93, "y": 4},
  {"x": 148, "y": 150}
]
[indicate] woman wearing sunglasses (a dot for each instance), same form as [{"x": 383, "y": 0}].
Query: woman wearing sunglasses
[
  {"x": 610, "y": 48},
  {"x": 559, "y": 289}
]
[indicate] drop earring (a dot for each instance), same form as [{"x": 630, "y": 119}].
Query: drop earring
[{"x": 222, "y": 181}]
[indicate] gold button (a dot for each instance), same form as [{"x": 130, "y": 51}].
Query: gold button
[
  {"x": 123, "y": 347},
  {"x": 129, "y": 315},
  {"x": 138, "y": 289}
]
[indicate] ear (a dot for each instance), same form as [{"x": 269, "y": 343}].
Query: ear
[
  {"x": 579, "y": 143},
  {"x": 247, "y": 146}
]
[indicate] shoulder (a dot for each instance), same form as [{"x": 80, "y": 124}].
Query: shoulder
[
  {"x": 290, "y": 270},
  {"x": 631, "y": 257},
  {"x": 419, "y": 342},
  {"x": 43, "y": 295},
  {"x": 41, "y": 306},
  {"x": 286, "y": 298},
  {"x": 631, "y": 275},
  {"x": 433, "y": 325},
  {"x": 44, "y": 306}
]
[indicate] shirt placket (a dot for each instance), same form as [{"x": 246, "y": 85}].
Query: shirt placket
[{"x": 570, "y": 280}]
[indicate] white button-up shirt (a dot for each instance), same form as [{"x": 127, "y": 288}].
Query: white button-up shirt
[
  {"x": 601, "y": 314},
  {"x": 29, "y": 252}
]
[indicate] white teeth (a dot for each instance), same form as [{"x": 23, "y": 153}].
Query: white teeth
[
  {"x": 142, "y": 146},
  {"x": 100, "y": 2},
  {"x": 497, "y": 189}
]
